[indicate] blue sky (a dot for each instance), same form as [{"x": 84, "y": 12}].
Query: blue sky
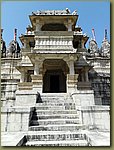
[{"x": 91, "y": 15}]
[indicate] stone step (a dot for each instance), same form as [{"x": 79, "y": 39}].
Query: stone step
[
  {"x": 53, "y": 112},
  {"x": 56, "y": 116},
  {"x": 55, "y": 104},
  {"x": 54, "y": 121},
  {"x": 67, "y": 107},
  {"x": 58, "y": 143},
  {"x": 56, "y": 138},
  {"x": 61, "y": 127},
  {"x": 56, "y": 100},
  {"x": 49, "y": 107},
  {"x": 52, "y": 136},
  {"x": 54, "y": 95}
]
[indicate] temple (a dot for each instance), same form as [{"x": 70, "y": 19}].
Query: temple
[{"x": 54, "y": 90}]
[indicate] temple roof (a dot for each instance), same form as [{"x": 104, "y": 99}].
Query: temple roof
[{"x": 54, "y": 12}]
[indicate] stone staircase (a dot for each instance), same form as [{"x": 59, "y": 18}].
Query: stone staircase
[{"x": 55, "y": 121}]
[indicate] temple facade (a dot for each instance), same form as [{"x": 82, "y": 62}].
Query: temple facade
[{"x": 54, "y": 90}]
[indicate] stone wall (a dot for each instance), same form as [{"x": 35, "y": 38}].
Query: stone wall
[
  {"x": 25, "y": 98},
  {"x": 96, "y": 117},
  {"x": 83, "y": 97},
  {"x": 8, "y": 89},
  {"x": 14, "y": 119}
]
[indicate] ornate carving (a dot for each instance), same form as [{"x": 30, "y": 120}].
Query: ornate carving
[
  {"x": 74, "y": 12},
  {"x": 14, "y": 49},
  {"x": 105, "y": 48},
  {"x": 53, "y": 12},
  {"x": 93, "y": 46}
]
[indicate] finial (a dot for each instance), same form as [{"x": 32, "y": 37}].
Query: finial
[
  {"x": 93, "y": 33},
  {"x": 15, "y": 34},
  {"x": 105, "y": 34},
  {"x": 1, "y": 32},
  {"x": 67, "y": 10}
]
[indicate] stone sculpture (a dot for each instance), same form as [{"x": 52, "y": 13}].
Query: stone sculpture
[
  {"x": 14, "y": 49},
  {"x": 38, "y": 98}
]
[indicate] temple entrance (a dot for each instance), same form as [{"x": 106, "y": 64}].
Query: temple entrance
[
  {"x": 54, "y": 81},
  {"x": 54, "y": 76}
]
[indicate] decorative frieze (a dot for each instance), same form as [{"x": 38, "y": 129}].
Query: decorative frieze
[{"x": 53, "y": 43}]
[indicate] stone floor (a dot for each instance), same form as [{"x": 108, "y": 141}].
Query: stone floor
[
  {"x": 11, "y": 138},
  {"x": 97, "y": 138}
]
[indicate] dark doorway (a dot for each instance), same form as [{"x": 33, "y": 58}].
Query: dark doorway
[{"x": 54, "y": 83}]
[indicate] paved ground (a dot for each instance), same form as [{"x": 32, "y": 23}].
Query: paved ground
[
  {"x": 97, "y": 138},
  {"x": 11, "y": 139}
]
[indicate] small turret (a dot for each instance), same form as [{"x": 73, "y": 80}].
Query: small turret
[
  {"x": 3, "y": 46},
  {"x": 105, "y": 46},
  {"x": 13, "y": 49},
  {"x": 93, "y": 47}
]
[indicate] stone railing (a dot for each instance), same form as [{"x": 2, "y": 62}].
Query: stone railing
[
  {"x": 54, "y": 33},
  {"x": 25, "y": 86},
  {"x": 54, "y": 43},
  {"x": 84, "y": 85}
]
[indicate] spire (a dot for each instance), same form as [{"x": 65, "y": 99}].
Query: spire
[
  {"x": 15, "y": 34},
  {"x": 105, "y": 34},
  {"x": 93, "y": 33},
  {"x": 1, "y": 33},
  {"x": 3, "y": 46}
]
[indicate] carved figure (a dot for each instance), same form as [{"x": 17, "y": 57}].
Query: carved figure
[
  {"x": 74, "y": 12},
  {"x": 38, "y": 98},
  {"x": 14, "y": 49}
]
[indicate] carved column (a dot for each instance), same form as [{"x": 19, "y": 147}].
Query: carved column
[
  {"x": 22, "y": 76},
  {"x": 71, "y": 67},
  {"x": 36, "y": 68},
  {"x": 69, "y": 25},
  {"x": 38, "y": 25},
  {"x": 37, "y": 78},
  {"x": 82, "y": 43},
  {"x": 86, "y": 75},
  {"x": 37, "y": 81},
  {"x": 71, "y": 77},
  {"x": 82, "y": 77},
  {"x": 72, "y": 83},
  {"x": 25, "y": 44}
]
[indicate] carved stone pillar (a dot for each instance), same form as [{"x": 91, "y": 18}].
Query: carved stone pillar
[
  {"x": 36, "y": 68},
  {"x": 25, "y": 44},
  {"x": 70, "y": 62},
  {"x": 71, "y": 67},
  {"x": 38, "y": 65},
  {"x": 36, "y": 42},
  {"x": 37, "y": 81},
  {"x": 72, "y": 83},
  {"x": 69, "y": 25},
  {"x": 86, "y": 75},
  {"x": 38, "y": 25},
  {"x": 82, "y": 77},
  {"x": 22, "y": 76},
  {"x": 82, "y": 43}
]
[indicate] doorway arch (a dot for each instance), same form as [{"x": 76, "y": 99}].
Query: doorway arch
[
  {"x": 54, "y": 76},
  {"x": 54, "y": 81}
]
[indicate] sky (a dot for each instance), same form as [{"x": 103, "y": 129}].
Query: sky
[{"x": 95, "y": 14}]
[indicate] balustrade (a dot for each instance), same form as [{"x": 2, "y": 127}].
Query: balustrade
[{"x": 53, "y": 42}]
